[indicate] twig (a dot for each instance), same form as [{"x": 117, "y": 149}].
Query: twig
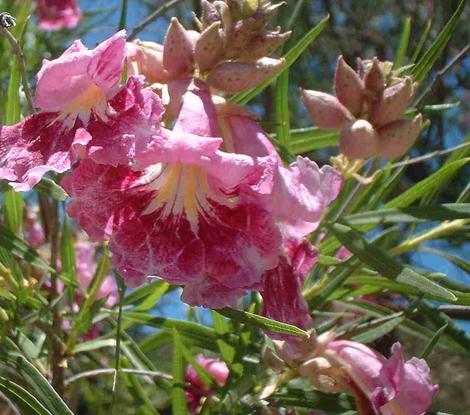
[
  {"x": 440, "y": 74},
  {"x": 7, "y": 21},
  {"x": 428, "y": 156},
  {"x": 99, "y": 372},
  {"x": 152, "y": 17}
]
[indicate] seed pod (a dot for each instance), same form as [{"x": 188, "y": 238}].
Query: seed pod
[
  {"x": 396, "y": 138},
  {"x": 325, "y": 110},
  {"x": 209, "y": 48},
  {"x": 392, "y": 104},
  {"x": 234, "y": 77},
  {"x": 178, "y": 52},
  {"x": 374, "y": 80},
  {"x": 349, "y": 87},
  {"x": 359, "y": 140}
]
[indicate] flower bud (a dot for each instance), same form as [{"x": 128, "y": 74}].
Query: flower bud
[
  {"x": 272, "y": 360},
  {"x": 264, "y": 44},
  {"x": 374, "y": 80},
  {"x": 178, "y": 52},
  {"x": 325, "y": 376},
  {"x": 396, "y": 138},
  {"x": 234, "y": 77},
  {"x": 209, "y": 15},
  {"x": 325, "y": 110},
  {"x": 359, "y": 140},
  {"x": 349, "y": 87},
  {"x": 149, "y": 60},
  {"x": 209, "y": 47},
  {"x": 393, "y": 102}
]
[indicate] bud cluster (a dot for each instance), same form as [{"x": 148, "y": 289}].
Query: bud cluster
[
  {"x": 368, "y": 108},
  {"x": 230, "y": 52},
  {"x": 311, "y": 359}
]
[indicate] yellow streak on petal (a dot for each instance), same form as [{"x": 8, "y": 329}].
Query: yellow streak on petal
[{"x": 88, "y": 99}]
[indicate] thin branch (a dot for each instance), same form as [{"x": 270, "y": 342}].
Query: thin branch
[
  {"x": 112, "y": 372},
  {"x": 152, "y": 17},
  {"x": 5, "y": 22},
  {"x": 428, "y": 156},
  {"x": 440, "y": 74}
]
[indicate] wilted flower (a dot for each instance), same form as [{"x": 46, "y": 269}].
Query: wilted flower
[
  {"x": 198, "y": 390},
  {"x": 58, "y": 14},
  {"x": 368, "y": 110},
  {"x": 84, "y": 112}
]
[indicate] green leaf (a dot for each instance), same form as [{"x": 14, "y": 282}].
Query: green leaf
[
  {"x": 43, "y": 390},
  {"x": 403, "y": 45},
  {"x": 178, "y": 397},
  {"x": 50, "y": 188},
  {"x": 281, "y": 105},
  {"x": 67, "y": 252},
  {"x": 290, "y": 57},
  {"x": 26, "y": 401},
  {"x": 421, "y": 42},
  {"x": 427, "y": 185},
  {"x": 304, "y": 140},
  {"x": 432, "y": 343},
  {"x": 425, "y": 64},
  {"x": 21, "y": 249},
  {"x": 376, "y": 329},
  {"x": 13, "y": 210},
  {"x": 411, "y": 214},
  {"x": 380, "y": 261},
  {"x": 13, "y": 111},
  {"x": 262, "y": 322}
]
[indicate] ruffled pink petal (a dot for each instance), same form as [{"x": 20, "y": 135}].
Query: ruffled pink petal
[
  {"x": 282, "y": 291},
  {"x": 57, "y": 14},
  {"x": 81, "y": 80},
  {"x": 35, "y": 146}
]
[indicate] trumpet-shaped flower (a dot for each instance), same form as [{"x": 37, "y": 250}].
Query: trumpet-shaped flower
[
  {"x": 84, "y": 112},
  {"x": 58, "y": 14}
]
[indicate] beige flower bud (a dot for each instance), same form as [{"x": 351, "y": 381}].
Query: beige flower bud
[
  {"x": 349, "y": 87},
  {"x": 325, "y": 376},
  {"x": 149, "y": 60},
  {"x": 209, "y": 14},
  {"x": 209, "y": 47},
  {"x": 374, "y": 80},
  {"x": 325, "y": 110},
  {"x": 393, "y": 102},
  {"x": 234, "y": 77},
  {"x": 396, "y": 138},
  {"x": 178, "y": 52},
  {"x": 359, "y": 140},
  {"x": 261, "y": 45},
  {"x": 272, "y": 360}
]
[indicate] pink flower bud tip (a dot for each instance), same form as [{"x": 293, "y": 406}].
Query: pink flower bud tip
[{"x": 349, "y": 87}]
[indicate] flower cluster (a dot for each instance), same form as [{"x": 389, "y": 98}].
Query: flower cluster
[
  {"x": 381, "y": 386},
  {"x": 367, "y": 109},
  {"x": 208, "y": 204}
]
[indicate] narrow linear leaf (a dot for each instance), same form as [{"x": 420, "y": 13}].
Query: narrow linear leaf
[
  {"x": 50, "y": 188},
  {"x": 304, "y": 140},
  {"x": 21, "y": 249},
  {"x": 262, "y": 322},
  {"x": 281, "y": 105},
  {"x": 178, "y": 397},
  {"x": 380, "y": 261},
  {"x": 422, "y": 40},
  {"x": 403, "y": 45},
  {"x": 13, "y": 205},
  {"x": 25, "y": 400},
  {"x": 432, "y": 343}
]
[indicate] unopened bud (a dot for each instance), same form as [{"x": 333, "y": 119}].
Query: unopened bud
[
  {"x": 325, "y": 110},
  {"x": 359, "y": 140},
  {"x": 209, "y": 47},
  {"x": 234, "y": 77},
  {"x": 396, "y": 138},
  {"x": 178, "y": 52},
  {"x": 272, "y": 360},
  {"x": 393, "y": 102},
  {"x": 264, "y": 44},
  {"x": 374, "y": 80},
  {"x": 209, "y": 14},
  {"x": 325, "y": 376},
  {"x": 149, "y": 60},
  {"x": 349, "y": 87}
]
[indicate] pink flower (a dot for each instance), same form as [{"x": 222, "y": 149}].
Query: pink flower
[
  {"x": 217, "y": 369},
  {"x": 57, "y": 14},
  {"x": 85, "y": 112},
  {"x": 86, "y": 267},
  {"x": 384, "y": 386},
  {"x": 32, "y": 225}
]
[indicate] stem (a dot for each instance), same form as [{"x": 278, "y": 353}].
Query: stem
[
  {"x": 152, "y": 17},
  {"x": 122, "y": 20},
  {"x": 122, "y": 288},
  {"x": 21, "y": 59},
  {"x": 57, "y": 352},
  {"x": 435, "y": 233}
]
